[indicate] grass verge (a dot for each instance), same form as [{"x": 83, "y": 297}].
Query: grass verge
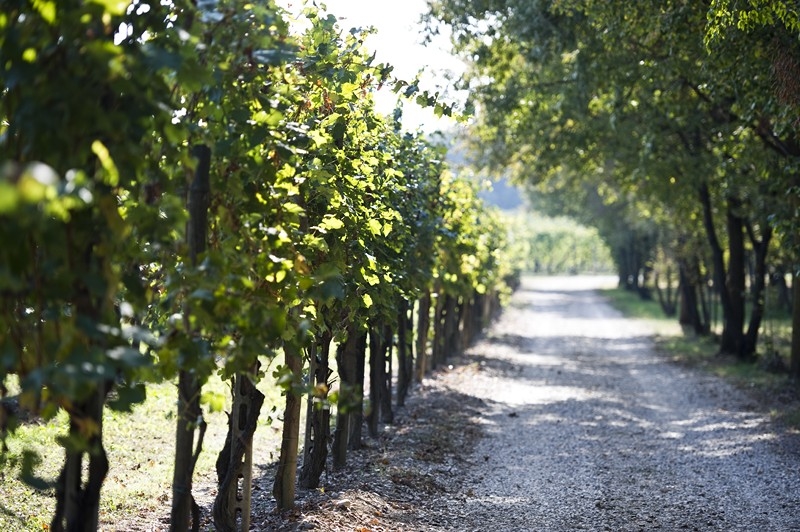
[
  {"x": 141, "y": 450},
  {"x": 773, "y": 391}
]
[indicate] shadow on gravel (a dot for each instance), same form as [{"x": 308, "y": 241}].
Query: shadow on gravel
[
  {"x": 630, "y": 459},
  {"x": 609, "y": 406}
]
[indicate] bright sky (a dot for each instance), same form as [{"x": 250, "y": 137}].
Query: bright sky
[{"x": 397, "y": 42}]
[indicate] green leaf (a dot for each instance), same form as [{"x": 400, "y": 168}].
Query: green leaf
[
  {"x": 127, "y": 356},
  {"x": 112, "y": 174},
  {"x": 202, "y": 294},
  {"x": 330, "y": 222},
  {"x": 114, "y": 8},
  {"x": 47, "y": 10},
  {"x": 9, "y": 198},
  {"x": 367, "y": 299},
  {"x": 375, "y": 227},
  {"x": 214, "y": 400},
  {"x": 37, "y": 183},
  {"x": 127, "y": 397}
]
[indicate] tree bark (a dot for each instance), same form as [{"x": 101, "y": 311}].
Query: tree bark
[
  {"x": 732, "y": 341},
  {"x": 439, "y": 334},
  {"x": 423, "y": 329},
  {"x": 319, "y": 416},
  {"x": 689, "y": 302},
  {"x": 377, "y": 369},
  {"x": 190, "y": 416},
  {"x": 405, "y": 358},
  {"x": 666, "y": 300},
  {"x": 450, "y": 341},
  {"x": 760, "y": 247},
  {"x": 234, "y": 462},
  {"x": 284, "y": 487},
  {"x": 387, "y": 339},
  {"x": 346, "y": 355},
  {"x": 354, "y": 441},
  {"x": 78, "y": 504},
  {"x": 794, "y": 365}
]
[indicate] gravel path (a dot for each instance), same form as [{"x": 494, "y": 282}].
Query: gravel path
[{"x": 588, "y": 429}]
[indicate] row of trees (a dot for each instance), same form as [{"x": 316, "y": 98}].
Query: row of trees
[
  {"x": 672, "y": 127},
  {"x": 188, "y": 188}
]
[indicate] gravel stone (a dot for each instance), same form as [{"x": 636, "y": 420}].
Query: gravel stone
[{"x": 587, "y": 428}]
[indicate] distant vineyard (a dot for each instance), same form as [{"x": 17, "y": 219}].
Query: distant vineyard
[{"x": 558, "y": 246}]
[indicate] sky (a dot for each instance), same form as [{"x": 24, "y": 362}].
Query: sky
[{"x": 398, "y": 42}]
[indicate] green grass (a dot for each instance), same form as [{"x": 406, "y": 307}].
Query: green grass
[
  {"x": 648, "y": 311},
  {"x": 140, "y": 447},
  {"x": 775, "y": 392}
]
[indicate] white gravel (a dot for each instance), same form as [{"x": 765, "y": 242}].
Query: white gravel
[{"x": 588, "y": 429}]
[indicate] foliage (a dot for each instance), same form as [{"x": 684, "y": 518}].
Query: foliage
[
  {"x": 322, "y": 212},
  {"x": 627, "y": 114},
  {"x": 558, "y": 245}
]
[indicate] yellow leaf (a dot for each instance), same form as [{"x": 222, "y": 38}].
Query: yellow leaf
[
  {"x": 374, "y": 226},
  {"x": 114, "y": 8},
  {"x": 329, "y": 222},
  {"x": 47, "y": 9},
  {"x": 112, "y": 174}
]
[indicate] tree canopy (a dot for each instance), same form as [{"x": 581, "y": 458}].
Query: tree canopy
[{"x": 664, "y": 123}]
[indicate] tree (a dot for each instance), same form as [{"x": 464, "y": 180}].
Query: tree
[
  {"x": 625, "y": 98},
  {"x": 74, "y": 186},
  {"x": 761, "y": 39},
  {"x": 254, "y": 203}
]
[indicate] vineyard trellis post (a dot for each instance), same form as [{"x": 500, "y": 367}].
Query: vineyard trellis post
[{"x": 190, "y": 415}]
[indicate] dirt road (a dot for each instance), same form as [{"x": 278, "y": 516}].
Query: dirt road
[
  {"x": 563, "y": 418},
  {"x": 588, "y": 429}
]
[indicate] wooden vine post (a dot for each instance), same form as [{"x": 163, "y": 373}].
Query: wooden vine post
[
  {"x": 190, "y": 415},
  {"x": 235, "y": 463},
  {"x": 284, "y": 487}
]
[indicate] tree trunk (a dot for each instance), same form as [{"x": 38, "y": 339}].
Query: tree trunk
[
  {"x": 78, "y": 501},
  {"x": 283, "y": 488},
  {"x": 377, "y": 369},
  {"x": 794, "y": 366},
  {"x": 319, "y": 416},
  {"x": 760, "y": 248},
  {"x": 729, "y": 342},
  {"x": 78, "y": 504},
  {"x": 423, "y": 328},
  {"x": 190, "y": 415},
  {"x": 477, "y": 312},
  {"x": 668, "y": 302},
  {"x": 732, "y": 341},
  {"x": 190, "y": 418},
  {"x": 314, "y": 394},
  {"x": 450, "y": 341},
  {"x": 465, "y": 321},
  {"x": 778, "y": 279},
  {"x": 690, "y": 312},
  {"x": 234, "y": 466},
  {"x": 439, "y": 336},
  {"x": 354, "y": 441},
  {"x": 387, "y": 337},
  {"x": 346, "y": 355},
  {"x": 405, "y": 358}
]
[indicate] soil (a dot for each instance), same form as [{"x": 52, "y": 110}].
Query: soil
[{"x": 562, "y": 417}]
